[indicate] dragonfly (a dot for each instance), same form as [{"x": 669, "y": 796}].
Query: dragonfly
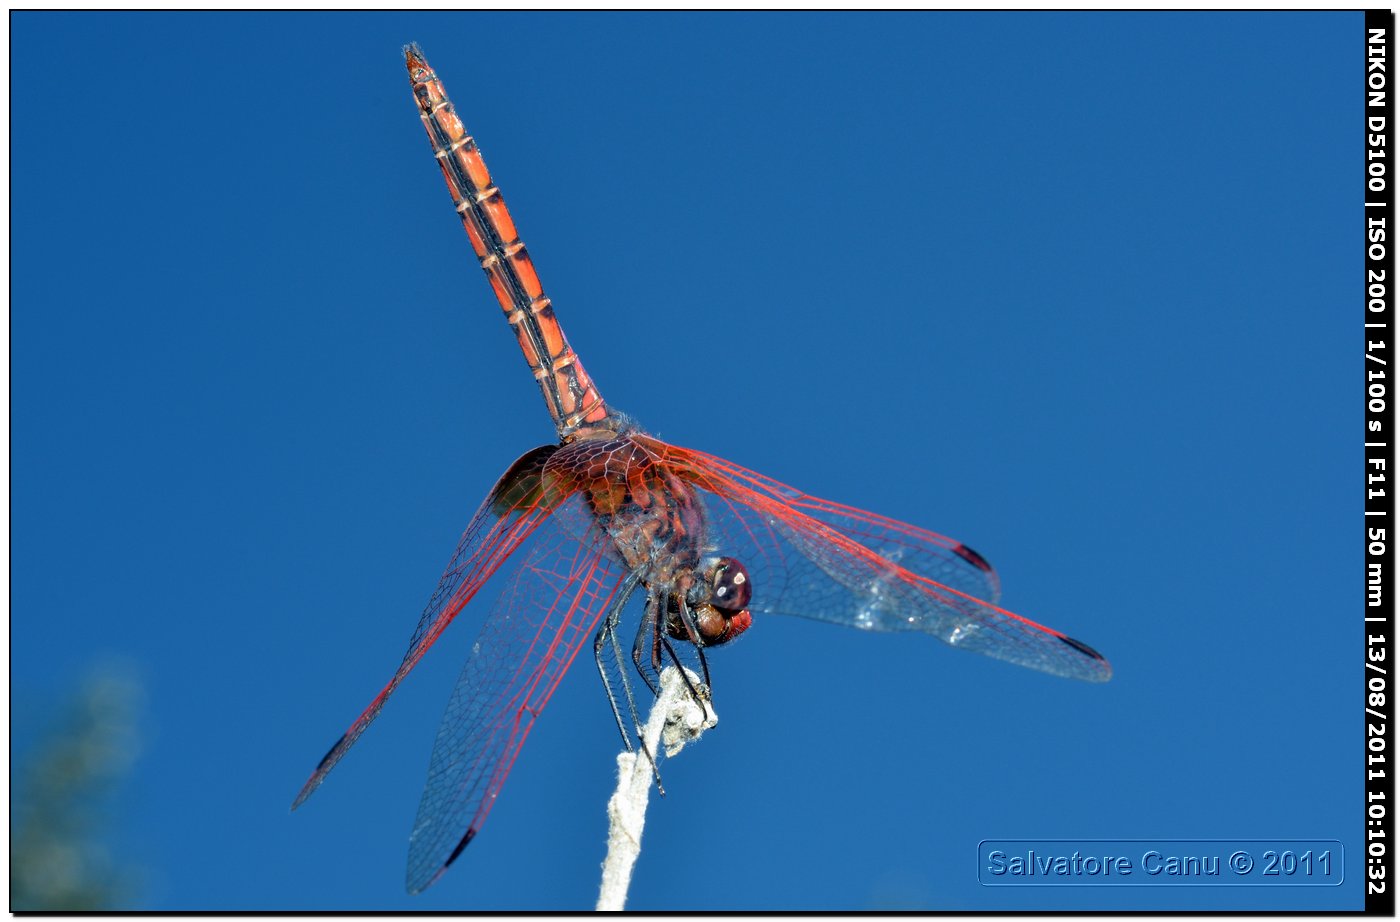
[{"x": 608, "y": 525}]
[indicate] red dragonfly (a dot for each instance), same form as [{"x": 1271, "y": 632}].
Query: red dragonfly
[{"x": 610, "y": 521}]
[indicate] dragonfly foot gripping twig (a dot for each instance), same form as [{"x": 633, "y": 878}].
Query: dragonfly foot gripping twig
[{"x": 676, "y": 718}]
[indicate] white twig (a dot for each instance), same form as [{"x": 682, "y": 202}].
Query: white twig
[{"x": 676, "y": 718}]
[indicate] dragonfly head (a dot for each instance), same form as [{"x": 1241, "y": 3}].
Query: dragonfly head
[{"x": 719, "y": 600}]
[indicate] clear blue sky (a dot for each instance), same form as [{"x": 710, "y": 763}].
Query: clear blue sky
[{"x": 1078, "y": 289}]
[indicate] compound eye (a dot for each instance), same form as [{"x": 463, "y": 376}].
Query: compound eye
[{"x": 730, "y": 588}]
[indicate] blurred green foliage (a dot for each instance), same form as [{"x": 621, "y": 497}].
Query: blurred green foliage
[{"x": 61, "y": 801}]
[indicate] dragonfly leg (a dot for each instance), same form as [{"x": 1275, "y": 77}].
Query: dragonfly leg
[
  {"x": 648, "y": 633},
  {"x": 652, "y": 639},
  {"x": 608, "y": 633},
  {"x": 692, "y": 630},
  {"x": 685, "y": 673}
]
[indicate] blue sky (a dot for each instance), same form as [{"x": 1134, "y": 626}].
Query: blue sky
[{"x": 1078, "y": 289}]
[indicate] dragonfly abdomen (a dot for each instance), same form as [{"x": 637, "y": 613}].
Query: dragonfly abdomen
[{"x": 569, "y": 393}]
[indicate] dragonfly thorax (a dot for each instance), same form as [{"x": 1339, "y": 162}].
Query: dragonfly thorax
[{"x": 656, "y": 521}]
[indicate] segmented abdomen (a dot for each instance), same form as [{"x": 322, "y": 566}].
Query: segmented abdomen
[{"x": 569, "y": 393}]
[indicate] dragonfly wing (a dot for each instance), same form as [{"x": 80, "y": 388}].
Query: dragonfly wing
[
  {"x": 927, "y": 553},
  {"x": 514, "y": 508},
  {"x": 934, "y": 556},
  {"x": 821, "y": 560},
  {"x": 543, "y": 617}
]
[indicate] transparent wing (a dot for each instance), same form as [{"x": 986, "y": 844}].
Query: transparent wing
[
  {"x": 514, "y": 508},
  {"x": 564, "y": 582},
  {"x": 929, "y": 554},
  {"x": 821, "y": 560}
]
